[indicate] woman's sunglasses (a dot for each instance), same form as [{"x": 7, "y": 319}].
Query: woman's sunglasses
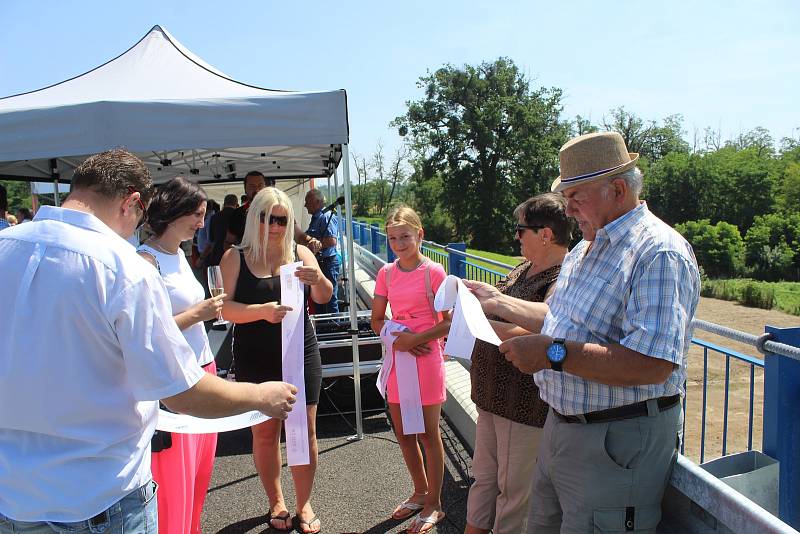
[
  {"x": 520, "y": 229},
  {"x": 274, "y": 219}
]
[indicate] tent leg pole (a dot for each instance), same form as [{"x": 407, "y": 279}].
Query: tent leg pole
[
  {"x": 54, "y": 171},
  {"x": 340, "y": 242},
  {"x": 351, "y": 274}
]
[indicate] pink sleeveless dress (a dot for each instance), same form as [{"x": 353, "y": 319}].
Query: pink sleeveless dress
[{"x": 408, "y": 299}]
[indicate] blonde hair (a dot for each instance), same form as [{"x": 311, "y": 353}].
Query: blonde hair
[
  {"x": 403, "y": 215},
  {"x": 254, "y": 241}
]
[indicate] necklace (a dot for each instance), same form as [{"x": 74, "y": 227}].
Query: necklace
[
  {"x": 414, "y": 268},
  {"x": 153, "y": 243}
]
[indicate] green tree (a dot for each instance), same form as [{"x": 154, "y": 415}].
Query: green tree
[
  {"x": 19, "y": 194},
  {"x": 728, "y": 184},
  {"x": 491, "y": 138},
  {"x": 719, "y": 248},
  {"x": 772, "y": 247},
  {"x": 787, "y": 182},
  {"x": 646, "y": 137},
  {"x": 581, "y": 126}
]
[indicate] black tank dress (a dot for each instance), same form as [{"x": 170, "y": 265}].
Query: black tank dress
[{"x": 257, "y": 345}]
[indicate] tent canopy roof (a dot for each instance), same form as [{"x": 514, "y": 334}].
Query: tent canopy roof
[{"x": 178, "y": 113}]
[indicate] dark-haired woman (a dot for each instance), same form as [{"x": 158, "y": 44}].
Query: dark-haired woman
[
  {"x": 510, "y": 413},
  {"x": 183, "y": 469}
]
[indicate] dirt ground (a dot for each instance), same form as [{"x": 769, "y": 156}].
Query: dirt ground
[{"x": 752, "y": 321}]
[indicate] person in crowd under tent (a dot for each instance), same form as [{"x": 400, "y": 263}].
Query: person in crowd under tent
[
  {"x": 3, "y": 208},
  {"x": 251, "y": 278},
  {"x": 611, "y": 357},
  {"x": 324, "y": 227},
  {"x": 75, "y": 448},
  {"x": 255, "y": 181},
  {"x": 183, "y": 463},
  {"x": 408, "y": 285},
  {"x": 24, "y": 215},
  {"x": 203, "y": 235},
  {"x": 510, "y": 413},
  {"x": 219, "y": 228}
]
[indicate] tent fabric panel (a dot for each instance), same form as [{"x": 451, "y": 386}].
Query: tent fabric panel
[
  {"x": 288, "y": 119},
  {"x": 158, "y": 67}
]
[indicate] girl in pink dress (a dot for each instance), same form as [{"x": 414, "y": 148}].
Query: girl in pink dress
[{"x": 412, "y": 278}]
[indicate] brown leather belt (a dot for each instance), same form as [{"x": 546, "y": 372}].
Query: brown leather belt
[{"x": 629, "y": 411}]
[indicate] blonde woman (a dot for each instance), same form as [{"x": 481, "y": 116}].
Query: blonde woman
[
  {"x": 406, "y": 285},
  {"x": 251, "y": 278}
]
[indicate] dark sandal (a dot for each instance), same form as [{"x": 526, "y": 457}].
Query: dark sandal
[
  {"x": 281, "y": 516},
  {"x": 298, "y": 523}
]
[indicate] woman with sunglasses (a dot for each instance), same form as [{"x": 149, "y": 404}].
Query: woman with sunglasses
[
  {"x": 251, "y": 278},
  {"x": 510, "y": 413},
  {"x": 181, "y": 463}
]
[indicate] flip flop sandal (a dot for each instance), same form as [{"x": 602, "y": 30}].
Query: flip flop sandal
[
  {"x": 420, "y": 522},
  {"x": 281, "y": 516},
  {"x": 412, "y": 507},
  {"x": 298, "y": 523}
]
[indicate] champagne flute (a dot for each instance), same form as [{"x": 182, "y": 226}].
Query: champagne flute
[{"x": 216, "y": 288}]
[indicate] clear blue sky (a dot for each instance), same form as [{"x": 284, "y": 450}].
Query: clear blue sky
[{"x": 731, "y": 65}]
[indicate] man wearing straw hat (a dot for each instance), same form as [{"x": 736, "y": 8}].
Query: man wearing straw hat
[{"x": 611, "y": 356}]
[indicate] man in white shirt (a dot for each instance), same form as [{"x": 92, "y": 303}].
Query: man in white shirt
[{"x": 91, "y": 348}]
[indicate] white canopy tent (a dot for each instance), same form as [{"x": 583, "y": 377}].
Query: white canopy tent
[
  {"x": 181, "y": 116},
  {"x": 177, "y": 112}
]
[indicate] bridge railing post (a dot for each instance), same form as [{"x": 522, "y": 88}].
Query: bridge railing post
[
  {"x": 782, "y": 421},
  {"x": 457, "y": 262},
  {"x": 375, "y": 239}
]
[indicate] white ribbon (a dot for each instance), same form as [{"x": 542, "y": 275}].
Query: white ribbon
[
  {"x": 405, "y": 364},
  {"x": 292, "y": 357},
  {"x": 468, "y": 322},
  {"x": 186, "y": 424}
]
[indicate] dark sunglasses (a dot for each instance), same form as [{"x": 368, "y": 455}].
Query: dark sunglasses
[
  {"x": 143, "y": 218},
  {"x": 520, "y": 228},
  {"x": 274, "y": 219}
]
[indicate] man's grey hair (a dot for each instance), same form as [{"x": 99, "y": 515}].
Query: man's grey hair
[
  {"x": 317, "y": 195},
  {"x": 633, "y": 177}
]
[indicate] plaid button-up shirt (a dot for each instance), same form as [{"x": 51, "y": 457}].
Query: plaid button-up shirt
[{"x": 637, "y": 286}]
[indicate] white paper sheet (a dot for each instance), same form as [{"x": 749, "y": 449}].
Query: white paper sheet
[
  {"x": 186, "y": 424},
  {"x": 292, "y": 357},
  {"x": 468, "y": 322},
  {"x": 405, "y": 365}
]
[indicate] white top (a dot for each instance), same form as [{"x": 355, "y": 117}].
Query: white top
[
  {"x": 184, "y": 292},
  {"x": 90, "y": 347}
]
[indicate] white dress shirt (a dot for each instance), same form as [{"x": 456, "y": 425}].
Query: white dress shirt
[{"x": 89, "y": 349}]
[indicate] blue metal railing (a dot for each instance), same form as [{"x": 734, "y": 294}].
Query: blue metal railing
[
  {"x": 738, "y": 358},
  {"x": 371, "y": 238}
]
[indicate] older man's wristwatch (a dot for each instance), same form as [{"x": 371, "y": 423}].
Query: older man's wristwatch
[{"x": 557, "y": 353}]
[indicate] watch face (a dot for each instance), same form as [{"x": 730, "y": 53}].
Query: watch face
[{"x": 556, "y": 352}]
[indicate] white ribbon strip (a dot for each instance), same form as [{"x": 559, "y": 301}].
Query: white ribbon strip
[
  {"x": 186, "y": 424},
  {"x": 468, "y": 322},
  {"x": 293, "y": 356},
  {"x": 405, "y": 365}
]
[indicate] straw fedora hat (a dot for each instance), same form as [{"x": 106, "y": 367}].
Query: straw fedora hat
[{"x": 590, "y": 157}]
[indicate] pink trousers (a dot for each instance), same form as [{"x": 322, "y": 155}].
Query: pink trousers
[{"x": 183, "y": 473}]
